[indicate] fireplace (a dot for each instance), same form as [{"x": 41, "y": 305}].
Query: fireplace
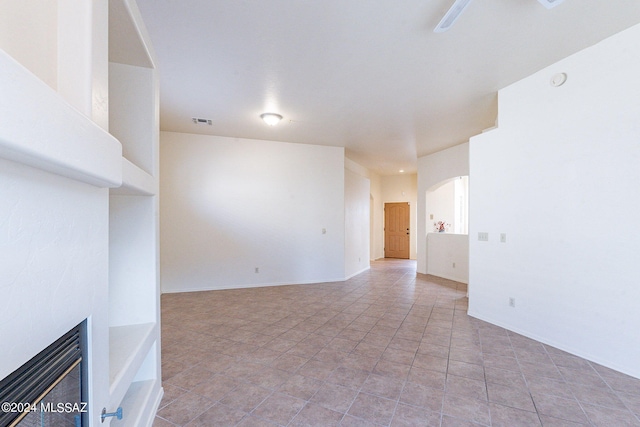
[
  {"x": 58, "y": 166},
  {"x": 50, "y": 389}
]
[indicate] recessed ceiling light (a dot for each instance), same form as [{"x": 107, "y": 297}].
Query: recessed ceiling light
[
  {"x": 271, "y": 119},
  {"x": 401, "y": 171}
]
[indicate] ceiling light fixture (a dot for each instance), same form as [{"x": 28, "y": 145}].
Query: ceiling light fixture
[{"x": 271, "y": 119}]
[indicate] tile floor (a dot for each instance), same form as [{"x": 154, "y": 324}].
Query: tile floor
[{"x": 385, "y": 348}]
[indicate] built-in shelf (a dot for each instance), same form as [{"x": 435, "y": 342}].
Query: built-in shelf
[
  {"x": 129, "y": 42},
  {"x": 72, "y": 128},
  {"x": 138, "y": 404},
  {"x": 135, "y": 181},
  {"x": 134, "y": 291},
  {"x": 88, "y": 154},
  {"x": 128, "y": 348},
  {"x": 132, "y": 113}
]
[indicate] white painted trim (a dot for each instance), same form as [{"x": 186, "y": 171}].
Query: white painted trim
[
  {"x": 357, "y": 272},
  {"x": 446, "y": 276},
  {"x": 558, "y": 345},
  {"x": 154, "y": 407},
  {"x": 260, "y": 285}
]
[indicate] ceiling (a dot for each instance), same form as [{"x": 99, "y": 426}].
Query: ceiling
[{"x": 367, "y": 75}]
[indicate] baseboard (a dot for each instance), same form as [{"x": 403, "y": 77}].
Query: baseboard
[
  {"x": 561, "y": 346},
  {"x": 358, "y": 272},
  {"x": 250, "y": 285},
  {"x": 445, "y": 276}
]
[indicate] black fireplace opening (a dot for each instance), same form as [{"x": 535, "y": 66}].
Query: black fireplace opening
[{"x": 51, "y": 388}]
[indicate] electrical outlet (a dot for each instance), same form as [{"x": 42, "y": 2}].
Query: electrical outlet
[
  {"x": 512, "y": 302},
  {"x": 257, "y": 269},
  {"x": 454, "y": 265}
]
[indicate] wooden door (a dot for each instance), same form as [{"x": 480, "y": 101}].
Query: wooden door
[{"x": 396, "y": 230}]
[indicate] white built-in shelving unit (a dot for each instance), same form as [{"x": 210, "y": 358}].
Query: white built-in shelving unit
[
  {"x": 134, "y": 294},
  {"x": 54, "y": 116}
]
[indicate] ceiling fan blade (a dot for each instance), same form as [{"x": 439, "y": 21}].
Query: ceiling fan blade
[
  {"x": 453, "y": 14},
  {"x": 550, "y": 3},
  {"x": 459, "y": 6}
]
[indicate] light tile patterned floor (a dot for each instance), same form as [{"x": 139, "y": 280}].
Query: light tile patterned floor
[{"x": 385, "y": 348}]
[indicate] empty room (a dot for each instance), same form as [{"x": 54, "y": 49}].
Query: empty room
[{"x": 330, "y": 213}]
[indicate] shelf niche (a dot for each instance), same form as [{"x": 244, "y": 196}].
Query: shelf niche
[{"x": 134, "y": 291}]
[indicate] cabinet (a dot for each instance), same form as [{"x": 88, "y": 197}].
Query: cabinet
[{"x": 134, "y": 293}]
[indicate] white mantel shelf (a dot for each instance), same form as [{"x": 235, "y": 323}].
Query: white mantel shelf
[
  {"x": 135, "y": 181},
  {"x": 39, "y": 128}
]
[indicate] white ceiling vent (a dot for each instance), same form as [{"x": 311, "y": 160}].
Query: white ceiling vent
[
  {"x": 550, "y": 3},
  {"x": 199, "y": 121}
]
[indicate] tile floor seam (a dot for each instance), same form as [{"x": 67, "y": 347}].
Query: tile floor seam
[
  {"x": 575, "y": 399},
  {"x": 486, "y": 382},
  {"x": 406, "y": 380},
  {"x": 354, "y": 399},
  {"x": 526, "y": 381},
  {"x": 616, "y": 393},
  {"x": 580, "y": 404},
  {"x": 166, "y": 420}
]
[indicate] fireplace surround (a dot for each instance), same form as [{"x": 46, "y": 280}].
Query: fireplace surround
[
  {"x": 50, "y": 389},
  {"x": 79, "y": 198}
]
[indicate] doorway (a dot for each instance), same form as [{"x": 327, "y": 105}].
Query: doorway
[{"x": 396, "y": 230}]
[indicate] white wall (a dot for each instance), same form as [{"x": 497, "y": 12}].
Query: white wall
[
  {"x": 448, "y": 256},
  {"x": 461, "y": 205},
  {"x": 403, "y": 188},
  {"x": 560, "y": 178},
  {"x": 356, "y": 217},
  {"x": 65, "y": 44},
  {"x": 440, "y": 203},
  {"x": 231, "y": 205},
  {"x": 376, "y": 208},
  {"x": 377, "y": 218},
  {"x": 28, "y": 32},
  {"x": 432, "y": 170},
  {"x": 53, "y": 275}
]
